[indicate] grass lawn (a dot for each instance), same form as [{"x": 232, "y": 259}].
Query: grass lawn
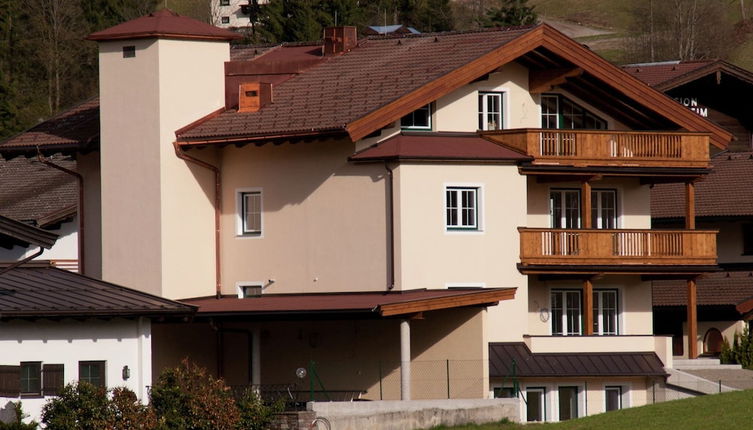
[{"x": 717, "y": 412}]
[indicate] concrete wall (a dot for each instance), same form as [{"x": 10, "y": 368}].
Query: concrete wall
[
  {"x": 416, "y": 414},
  {"x": 118, "y": 342},
  {"x": 350, "y": 355},
  {"x": 324, "y": 219},
  {"x": 155, "y": 207}
]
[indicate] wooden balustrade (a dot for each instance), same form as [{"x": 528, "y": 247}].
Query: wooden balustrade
[
  {"x": 608, "y": 147},
  {"x": 542, "y": 246}
]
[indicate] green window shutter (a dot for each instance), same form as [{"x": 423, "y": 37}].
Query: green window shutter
[
  {"x": 10, "y": 381},
  {"x": 53, "y": 379}
]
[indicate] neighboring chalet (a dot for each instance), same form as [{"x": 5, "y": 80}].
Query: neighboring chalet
[
  {"x": 716, "y": 90},
  {"x": 57, "y": 327},
  {"x": 448, "y": 215}
]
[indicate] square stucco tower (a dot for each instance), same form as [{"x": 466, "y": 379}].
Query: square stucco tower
[{"x": 157, "y": 74}]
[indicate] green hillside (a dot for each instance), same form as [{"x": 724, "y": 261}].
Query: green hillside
[{"x": 717, "y": 412}]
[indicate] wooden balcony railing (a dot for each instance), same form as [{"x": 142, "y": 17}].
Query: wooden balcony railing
[
  {"x": 608, "y": 147},
  {"x": 544, "y": 246}
]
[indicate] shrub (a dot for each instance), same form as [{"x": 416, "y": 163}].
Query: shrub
[
  {"x": 80, "y": 406},
  {"x": 254, "y": 414},
  {"x": 187, "y": 397},
  {"x": 128, "y": 413},
  {"x": 741, "y": 351},
  {"x": 18, "y": 423}
]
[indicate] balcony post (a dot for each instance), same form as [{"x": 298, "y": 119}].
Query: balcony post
[
  {"x": 690, "y": 205},
  {"x": 588, "y": 304},
  {"x": 585, "y": 215},
  {"x": 692, "y": 320}
]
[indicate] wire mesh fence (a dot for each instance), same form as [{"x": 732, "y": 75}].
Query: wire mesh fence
[{"x": 376, "y": 380}]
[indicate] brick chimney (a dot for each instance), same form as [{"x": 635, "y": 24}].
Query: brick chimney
[{"x": 339, "y": 39}]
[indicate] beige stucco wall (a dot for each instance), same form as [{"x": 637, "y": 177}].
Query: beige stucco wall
[
  {"x": 633, "y": 201},
  {"x": 88, "y": 166},
  {"x": 634, "y": 301},
  {"x": 324, "y": 219},
  {"x": 591, "y": 395},
  {"x": 155, "y": 208},
  {"x": 429, "y": 256},
  {"x": 458, "y": 110},
  {"x": 729, "y": 241},
  {"x": 349, "y": 354},
  {"x": 728, "y": 329}
]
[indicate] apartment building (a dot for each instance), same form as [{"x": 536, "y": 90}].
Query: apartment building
[{"x": 469, "y": 205}]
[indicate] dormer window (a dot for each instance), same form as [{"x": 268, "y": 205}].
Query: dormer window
[
  {"x": 490, "y": 111},
  {"x": 419, "y": 119}
]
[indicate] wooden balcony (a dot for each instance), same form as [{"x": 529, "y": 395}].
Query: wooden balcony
[
  {"x": 609, "y": 148},
  {"x": 594, "y": 247}
]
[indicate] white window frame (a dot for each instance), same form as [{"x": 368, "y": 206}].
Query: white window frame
[
  {"x": 625, "y": 400},
  {"x": 484, "y": 99},
  {"x": 564, "y": 292},
  {"x": 597, "y": 205},
  {"x": 549, "y": 114},
  {"x": 428, "y": 127},
  {"x": 563, "y": 192},
  {"x": 580, "y": 398},
  {"x": 241, "y": 287},
  {"x": 598, "y": 308},
  {"x": 239, "y": 213},
  {"x": 539, "y": 389},
  {"x": 479, "y": 227}
]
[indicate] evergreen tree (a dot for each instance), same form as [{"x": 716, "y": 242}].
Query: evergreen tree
[{"x": 511, "y": 13}]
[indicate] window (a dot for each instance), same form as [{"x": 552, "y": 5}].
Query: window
[
  {"x": 419, "y": 119},
  {"x": 560, "y": 112},
  {"x": 224, "y": 2},
  {"x": 565, "y": 312},
  {"x": 504, "y": 392},
  {"x": 250, "y": 212},
  {"x": 31, "y": 378},
  {"x": 249, "y": 289},
  {"x": 604, "y": 209},
  {"x": 490, "y": 111},
  {"x": 129, "y": 51},
  {"x": 568, "y": 403},
  {"x": 605, "y": 312},
  {"x": 225, "y": 20},
  {"x": 535, "y": 404},
  {"x": 612, "y": 398},
  {"x": 92, "y": 372},
  {"x": 564, "y": 208},
  {"x": 461, "y": 208},
  {"x": 747, "y": 238}
]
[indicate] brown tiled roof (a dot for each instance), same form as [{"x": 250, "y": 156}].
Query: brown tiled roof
[
  {"x": 374, "y": 303},
  {"x": 76, "y": 129},
  {"x": 577, "y": 364},
  {"x": 438, "y": 146},
  {"x": 726, "y": 191},
  {"x": 715, "y": 289},
  {"x": 164, "y": 24},
  {"x": 39, "y": 291},
  {"x": 14, "y": 232},
  {"x": 34, "y": 193},
  {"x": 657, "y": 73},
  {"x": 346, "y": 87}
]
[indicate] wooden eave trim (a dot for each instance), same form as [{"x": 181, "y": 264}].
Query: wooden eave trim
[
  {"x": 244, "y": 140},
  {"x": 463, "y": 75},
  {"x": 160, "y": 35},
  {"x": 433, "y": 304},
  {"x": 717, "y": 66},
  {"x": 631, "y": 86}
]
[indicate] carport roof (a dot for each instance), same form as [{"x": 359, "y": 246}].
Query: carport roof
[{"x": 379, "y": 303}]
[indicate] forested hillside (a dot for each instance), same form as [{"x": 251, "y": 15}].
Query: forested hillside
[{"x": 47, "y": 66}]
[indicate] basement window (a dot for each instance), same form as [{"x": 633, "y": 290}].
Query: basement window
[
  {"x": 129, "y": 51},
  {"x": 249, "y": 290},
  {"x": 226, "y": 20}
]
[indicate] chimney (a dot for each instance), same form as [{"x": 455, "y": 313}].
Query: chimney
[
  {"x": 339, "y": 39},
  {"x": 253, "y": 96}
]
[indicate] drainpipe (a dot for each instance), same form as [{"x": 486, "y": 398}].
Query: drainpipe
[
  {"x": 25, "y": 260},
  {"x": 391, "y": 222},
  {"x": 217, "y": 205},
  {"x": 80, "y": 179}
]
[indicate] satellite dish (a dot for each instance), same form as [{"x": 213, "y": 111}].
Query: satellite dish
[{"x": 300, "y": 372}]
